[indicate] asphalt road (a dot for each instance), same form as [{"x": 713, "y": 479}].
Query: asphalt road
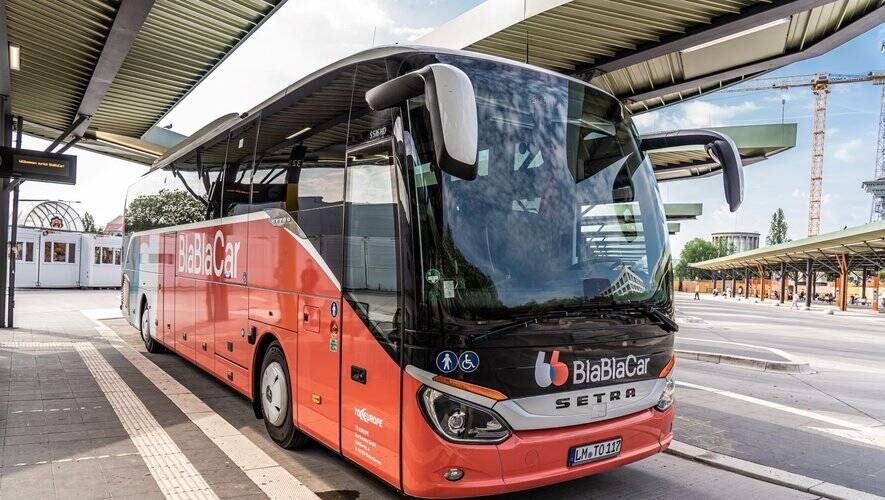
[
  {"x": 828, "y": 424},
  {"x": 714, "y": 421}
]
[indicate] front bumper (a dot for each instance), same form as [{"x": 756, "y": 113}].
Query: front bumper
[{"x": 528, "y": 459}]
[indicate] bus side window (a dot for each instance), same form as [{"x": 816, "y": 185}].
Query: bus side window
[
  {"x": 235, "y": 198},
  {"x": 302, "y": 172}
]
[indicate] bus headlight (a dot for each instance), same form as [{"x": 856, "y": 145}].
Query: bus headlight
[
  {"x": 666, "y": 399},
  {"x": 459, "y": 421}
]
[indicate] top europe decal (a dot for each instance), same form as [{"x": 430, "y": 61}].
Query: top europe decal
[{"x": 198, "y": 255}]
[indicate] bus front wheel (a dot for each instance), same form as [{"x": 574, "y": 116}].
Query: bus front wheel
[
  {"x": 276, "y": 399},
  {"x": 151, "y": 344}
]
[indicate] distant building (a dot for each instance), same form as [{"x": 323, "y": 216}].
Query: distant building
[
  {"x": 52, "y": 251},
  {"x": 737, "y": 242},
  {"x": 626, "y": 282},
  {"x": 115, "y": 226}
]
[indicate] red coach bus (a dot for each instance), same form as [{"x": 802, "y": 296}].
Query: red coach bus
[{"x": 451, "y": 269}]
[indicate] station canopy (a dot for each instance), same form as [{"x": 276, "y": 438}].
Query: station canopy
[
  {"x": 755, "y": 143},
  {"x": 651, "y": 53},
  {"x": 863, "y": 247},
  {"x": 102, "y": 73}
]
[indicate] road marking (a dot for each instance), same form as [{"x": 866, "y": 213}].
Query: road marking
[
  {"x": 77, "y": 459},
  {"x": 870, "y": 436},
  {"x": 175, "y": 475},
  {"x": 777, "y": 406},
  {"x": 275, "y": 481},
  {"x": 779, "y": 352}
]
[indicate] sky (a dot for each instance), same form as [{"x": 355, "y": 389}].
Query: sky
[{"x": 306, "y": 35}]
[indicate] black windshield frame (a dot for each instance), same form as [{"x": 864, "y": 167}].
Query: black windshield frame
[{"x": 518, "y": 101}]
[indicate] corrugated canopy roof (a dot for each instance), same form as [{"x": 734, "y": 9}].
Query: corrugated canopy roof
[
  {"x": 755, "y": 143},
  {"x": 106, "y": 71},
  {"x": 652, "y": 53},
  {"x": 863, "y": 246}
]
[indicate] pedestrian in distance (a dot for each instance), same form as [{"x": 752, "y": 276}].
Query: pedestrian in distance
[
  {"x": 697, "y": 292},
  {"x": 796, "y": 301}
]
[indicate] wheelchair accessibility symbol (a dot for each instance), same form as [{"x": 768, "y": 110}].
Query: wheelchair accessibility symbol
[{"x": 468, "y": 362}]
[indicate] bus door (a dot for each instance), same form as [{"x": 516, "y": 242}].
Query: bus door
[
  {"x": 166, "y": 297},
  {"x": 370, "y": 370}
]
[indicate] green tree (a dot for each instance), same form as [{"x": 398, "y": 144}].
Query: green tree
[
  {"x": 696, "y": 250},
  {"x": 166, "y": 208},
  {"x": 89, "y": 223},
  {"x": 777, "y": 232}
]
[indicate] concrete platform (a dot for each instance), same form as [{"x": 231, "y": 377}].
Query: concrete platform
[{"x": 86, "y": 413}]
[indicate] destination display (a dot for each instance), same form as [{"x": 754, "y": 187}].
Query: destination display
[{"x": 39, "y": 166}]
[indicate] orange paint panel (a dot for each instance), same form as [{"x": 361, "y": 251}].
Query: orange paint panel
[
  {"x": 527, "y": 459},
  {"x": 274, "y": 308},
  {"x": 204, "y": 311},
  {"x": 184, "y": 317},
  {"x": 370, "y": 410},
  {"x": 277, "y": 260},
  {"x": 231, "y": 323},
  {"x": 426, "y": 456},
  {"x": 233, "y": 375},
  {"x": 317, "y": 373},
  {"x": 168, "y": 291},
  {"x": 530, "y": 459}
]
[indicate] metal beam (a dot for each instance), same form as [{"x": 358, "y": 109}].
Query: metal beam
[
  {"x": 723, "y": 26},
  {"x": 127, "y": 23},
  {"x": 845, "y": 34},
  {"x": 68, "y": 131}
]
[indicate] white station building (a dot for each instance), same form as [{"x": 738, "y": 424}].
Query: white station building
[{"x": 53, "y": 251}]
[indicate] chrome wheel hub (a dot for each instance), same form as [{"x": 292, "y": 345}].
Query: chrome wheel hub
[{"x": 275, "y": 395}]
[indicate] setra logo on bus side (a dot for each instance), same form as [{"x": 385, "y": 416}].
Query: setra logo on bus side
[{"x": 198, "y": 255}]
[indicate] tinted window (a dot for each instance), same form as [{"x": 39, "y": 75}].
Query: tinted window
[
  {"x": 238, "y": 171},
  {"x": 371, "y": 282}
]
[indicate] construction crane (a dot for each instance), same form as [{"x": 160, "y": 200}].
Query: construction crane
[
  {"x": 819, "y": 84},
  {"x": 876, "y": 186}
]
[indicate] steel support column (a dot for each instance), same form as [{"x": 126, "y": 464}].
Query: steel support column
[
  {"x": 783, "y": 282},
  {"x": 761, "y": 271},
  {"x": 875, "y": 286},
  {"x": 19, "y": 123},
  {"x": 747, "y": 283},
  {"x": 842, "y": 295},
  {"x": 809, "y": 282},
  {"x": 863, "y": 283},
  {"x": 5, "y": 140},
  {"x": 733, "y": 283}
]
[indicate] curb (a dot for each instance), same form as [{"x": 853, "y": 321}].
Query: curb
[
  {"x": 767, "y": 474},
  {"x": 746, "y": 362}
]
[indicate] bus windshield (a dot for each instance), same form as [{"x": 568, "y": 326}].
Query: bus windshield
[{"x": 565, "y": 210}]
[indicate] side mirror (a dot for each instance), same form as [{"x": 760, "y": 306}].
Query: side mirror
[
  {"x": 721, "y": 149},
  {"x": 448, "y": 95}
]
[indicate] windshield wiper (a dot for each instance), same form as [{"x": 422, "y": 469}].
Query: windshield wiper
[
  {"x": 666, "y": 322},
  {"x": 652, "y": 312},
  {"x": 504, "y": 329}
]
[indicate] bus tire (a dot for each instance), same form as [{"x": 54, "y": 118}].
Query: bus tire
[
  {"x": 150, "y": 343},
  {"x": 275, "y": 394}
]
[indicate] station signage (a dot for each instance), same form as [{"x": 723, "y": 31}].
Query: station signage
[{"x": 31, "y": 165}]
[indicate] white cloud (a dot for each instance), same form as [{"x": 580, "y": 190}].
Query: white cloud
[
  {"x": 694, "y": 114},
  {"x": 301, "y": 38},
  {"x": 411, "y": 34},
  {"x": 846, "y": 151}
]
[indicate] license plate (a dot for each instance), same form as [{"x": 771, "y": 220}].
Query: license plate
[{"x": 592, "y": 452}]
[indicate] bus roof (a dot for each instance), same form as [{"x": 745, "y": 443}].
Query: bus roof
[{"x": 305, "y": 87}]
